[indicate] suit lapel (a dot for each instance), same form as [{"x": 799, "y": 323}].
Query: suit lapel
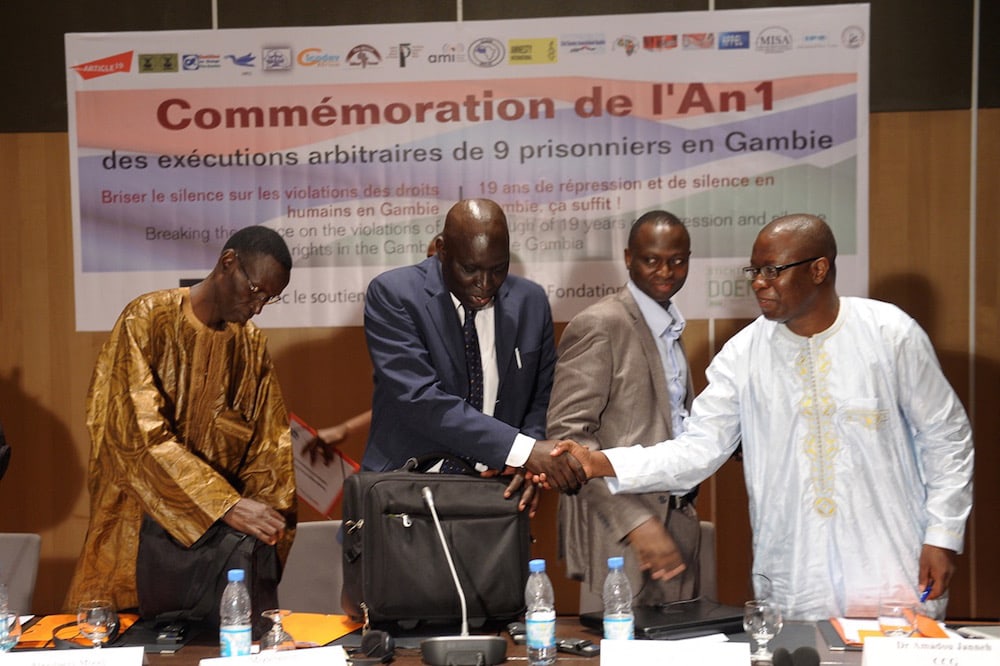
[
  {"x": 444, "y": 317},
  {"x": 505, "y": 321},
  {"x": 661, "y": 392}
]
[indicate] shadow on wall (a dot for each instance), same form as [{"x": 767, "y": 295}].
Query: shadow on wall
[
  {"x": 973, "y": 592},
  {"x": 41, "y": 446}
]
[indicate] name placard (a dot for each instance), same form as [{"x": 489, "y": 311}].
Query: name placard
[
  {"x": 887, "y": 651},
  {"x": 121, "y": 656},
  {"x": 629, "y": 653},
  {"x": 333, "y": 655}
]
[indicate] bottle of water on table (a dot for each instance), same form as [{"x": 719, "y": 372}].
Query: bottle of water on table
[
  {"x": 540, "y": 617},
  {"x": 619, "y": 620},
  {"x": 234, "y": 615}
]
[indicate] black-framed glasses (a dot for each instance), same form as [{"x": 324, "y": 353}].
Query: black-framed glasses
[
  {"x": 771, "y": 272},
  {"x": 256, "y": 291}
]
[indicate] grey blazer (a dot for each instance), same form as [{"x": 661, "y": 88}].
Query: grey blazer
[{"x": 610, "y": 391}]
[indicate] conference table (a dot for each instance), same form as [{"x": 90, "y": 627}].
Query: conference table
[{"x": 407, "y": 652}]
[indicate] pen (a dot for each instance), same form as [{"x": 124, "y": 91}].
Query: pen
[
  {"x": 927, "y": 592},
  {"x": 517, "y": 355}
]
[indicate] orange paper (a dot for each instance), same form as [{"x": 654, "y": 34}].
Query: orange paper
[
  {"x": 40, "y": 634},
  {"x": 316, "y": 629}
]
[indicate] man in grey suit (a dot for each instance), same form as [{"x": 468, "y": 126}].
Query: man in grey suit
[{"x": 622, "y": 378}]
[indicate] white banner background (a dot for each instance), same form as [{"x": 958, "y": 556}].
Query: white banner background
[{"x": 354, "y": 141}]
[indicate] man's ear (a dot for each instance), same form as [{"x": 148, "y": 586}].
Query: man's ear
[{"x": 820, "y": 269}]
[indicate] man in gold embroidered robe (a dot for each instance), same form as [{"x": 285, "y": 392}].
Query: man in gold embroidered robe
[{"x": 186, "y": 420}]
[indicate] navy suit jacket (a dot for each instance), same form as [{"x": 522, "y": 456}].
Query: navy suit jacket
[{"x": 415, "y": 342}]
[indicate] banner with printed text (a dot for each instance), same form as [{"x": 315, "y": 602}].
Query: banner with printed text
[{"x": 353, "y": 142}]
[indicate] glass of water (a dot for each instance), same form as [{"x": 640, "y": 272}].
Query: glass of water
[{"x": 10, "y": 630}]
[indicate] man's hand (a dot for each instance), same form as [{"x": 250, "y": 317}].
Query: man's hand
[
  {"x": 559, "y": 470},
  {"x": 256, "y": 519},
  {"x": 937, "y": 566},
  {"x": 594, "y": 463},
  {"x": 656, "y": 549},
  {"x": 325, "y": 443},
  {"x": 529, "y": 494}
]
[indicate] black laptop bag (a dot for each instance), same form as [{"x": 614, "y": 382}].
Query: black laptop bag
[{"x": 395, "y": 567}]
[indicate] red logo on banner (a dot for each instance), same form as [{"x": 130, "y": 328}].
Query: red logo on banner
[{"x": 110, "y": 65}]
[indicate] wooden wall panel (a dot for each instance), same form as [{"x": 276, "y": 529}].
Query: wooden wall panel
[
  {"x": 984, "y": 539},
  {"x": 919, "y": 250}
]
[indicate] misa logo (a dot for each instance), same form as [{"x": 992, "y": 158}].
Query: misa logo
[
  {"x": 364, "y": 56},
  {"x": 693, "y": 41},
  {"x": 774, "y": 40},
  {"x": 659, "y": 42},
  {"x": 404, "y": 51},
  {"x": 314, "y": 57},
  {"x": 116, "y": 64},
  {"x": 853, "y": 37},
  {"x": 584, "y": 43},
  {"x": 540, "y": 51},
  {"x": 487, "y": 52},
  {"x": 191, "y": 62},
  {"x": 276, "y": 58},
  {"x": 739, "y": 39},
  {"x": 626, "y": 43}
]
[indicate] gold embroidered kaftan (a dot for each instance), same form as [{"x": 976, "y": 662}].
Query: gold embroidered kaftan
[{"x": 172, "y": 408}]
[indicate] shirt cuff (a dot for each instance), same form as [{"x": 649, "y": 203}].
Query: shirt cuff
[{"x": 520, "y": 450}]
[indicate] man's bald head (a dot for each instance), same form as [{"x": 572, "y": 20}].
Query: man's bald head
[{"x": 474, "y": 250}]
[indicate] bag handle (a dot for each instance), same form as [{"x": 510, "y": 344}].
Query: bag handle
[{"x": 423, "y": 463}]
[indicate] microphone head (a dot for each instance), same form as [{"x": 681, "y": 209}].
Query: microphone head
[
  {"x": 805, "y": 656},
  {"x": 428, "y": 496},
  {"x": 781, "y": 657}
]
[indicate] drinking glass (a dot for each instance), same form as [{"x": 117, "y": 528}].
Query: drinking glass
[
  {"x": 762, "y": 621},
  {"x": 97, "y": 619},
  {"x": 10, "y": 630},
  {"x": 897, "y": 617},
  {"x": 277, "y": 638}
]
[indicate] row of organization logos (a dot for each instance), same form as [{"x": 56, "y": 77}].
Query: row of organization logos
[{"x": 482, "y": 52}]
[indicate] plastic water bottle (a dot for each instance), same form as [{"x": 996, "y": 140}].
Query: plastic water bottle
[
  {"x": 619, "y": 620},
  {"x": 234, "y": 613},
  {"x": 540, "y": 617}
]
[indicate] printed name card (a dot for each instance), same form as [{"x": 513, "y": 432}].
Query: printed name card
[
  {"x": 887, "y": 651},
  {"x": 629, "y": 653},
  {"x": 320, "y": 656},
  {"x": 121, "y": 656}
]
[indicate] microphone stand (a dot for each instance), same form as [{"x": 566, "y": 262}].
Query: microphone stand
[{"x": 463, "y": 650}]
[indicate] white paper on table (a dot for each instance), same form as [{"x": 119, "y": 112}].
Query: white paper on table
[
  {"x": 629, "y": 653},
  {"x": 333, "y": 655},
  {"x": 105, "y": 656},
  {"x": 319, "y": 485},
  {"x": 889, "y": 651}
]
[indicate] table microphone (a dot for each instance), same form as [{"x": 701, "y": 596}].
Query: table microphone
[
  {"x": 464, "y": 650},
  {"x": 805, "y": 656},
  {"x": 781, "y": 657}
]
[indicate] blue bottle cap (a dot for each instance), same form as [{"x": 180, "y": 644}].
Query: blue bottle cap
[
  {"x": 236, "y": 575},
  {"x": 534, "y": 566},
  {"x": 616, "y": 562}
]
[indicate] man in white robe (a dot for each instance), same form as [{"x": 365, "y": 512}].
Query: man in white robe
[{"x": 857, "y": 453}]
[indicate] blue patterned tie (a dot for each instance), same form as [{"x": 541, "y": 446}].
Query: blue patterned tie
[{"x": 473, "y": 360}]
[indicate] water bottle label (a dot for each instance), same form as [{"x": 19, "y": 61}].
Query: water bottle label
[
  {"x": 619, "y": 628},
  {"x": 235, "y": 641},
  {"x": 541, "y": 629}
]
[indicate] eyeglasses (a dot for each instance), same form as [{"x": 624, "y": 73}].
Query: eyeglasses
[
  {"x": 254, "y": 289},
  {"x": 771, "y": 272}
]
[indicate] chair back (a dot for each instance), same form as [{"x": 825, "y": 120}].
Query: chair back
[
  {"x": 19, "y": 553},
  {"x": 313, "y": 573}
]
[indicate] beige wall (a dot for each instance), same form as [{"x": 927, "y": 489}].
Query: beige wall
[{"x": 920, "y": 259}]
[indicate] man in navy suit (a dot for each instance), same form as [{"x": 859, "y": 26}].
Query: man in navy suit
[{"x": 414, "y": 327}]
